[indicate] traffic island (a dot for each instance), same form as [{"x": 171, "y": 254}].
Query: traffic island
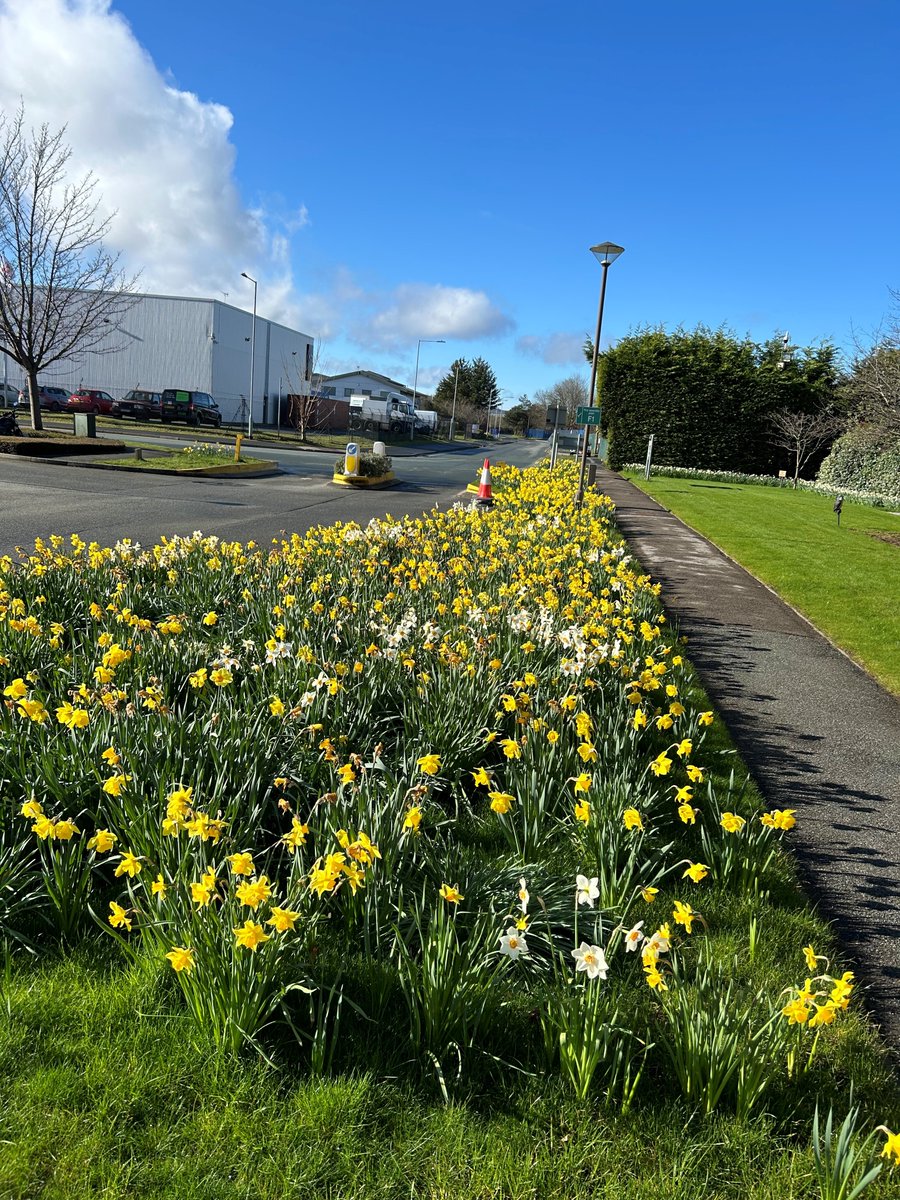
[
  {"x": 363, "y": 470},
  {"x": 252, "y": 468},
  {"x": 363, "y": 481}
]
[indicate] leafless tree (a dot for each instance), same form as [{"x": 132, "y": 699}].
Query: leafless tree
[
  {"x": 568, "y": 394},
  {"x": 803, "y": 433},
  {"x": 305, "y": 394},
  {"x": 61, "y": 291},
  {"x": 873, "y": 386}
]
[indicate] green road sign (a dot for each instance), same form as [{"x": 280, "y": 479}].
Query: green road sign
[{"x": 588, "y": 416}]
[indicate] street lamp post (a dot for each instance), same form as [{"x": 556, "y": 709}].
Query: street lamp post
[
  {"x": 453, "y": 413},
  {"x": 605, "y": 253},
  {"x": 244, "y": 275},
  {"x": 412, "y": 428}
]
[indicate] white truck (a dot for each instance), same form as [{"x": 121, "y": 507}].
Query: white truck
[
  {"x": 392, "y": 413},
  {"x": 426, "y": 421}
]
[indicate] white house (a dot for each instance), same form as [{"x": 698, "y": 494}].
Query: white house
[
  {"x": 194, "y": 344},
  {"x": 364, "y": 383}
]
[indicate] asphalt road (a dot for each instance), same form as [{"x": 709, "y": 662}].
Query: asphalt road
[{"x": 38, "y": 499}]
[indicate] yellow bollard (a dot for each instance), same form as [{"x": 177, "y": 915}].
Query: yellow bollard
[
  {"x": 351, "y": 459},
  {"x": 237, "y": 447}
]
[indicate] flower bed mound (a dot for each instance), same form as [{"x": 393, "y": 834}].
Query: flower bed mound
[{"x": 439, "y": 796}]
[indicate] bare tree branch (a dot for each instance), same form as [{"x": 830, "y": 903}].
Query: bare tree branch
[
  {"x": 873, "y": 387},
  {"x": 803, "y": 433},
  {"x": 61, "y": 291}
]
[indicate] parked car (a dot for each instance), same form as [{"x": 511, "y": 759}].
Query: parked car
[
  {"x": 140, "y": 404},
  {"x": 196, "y": 408},
  {"x": 54, "y": 399},
  {"x": 9, "y": 395},
  {"x": 90, "y": 400}
]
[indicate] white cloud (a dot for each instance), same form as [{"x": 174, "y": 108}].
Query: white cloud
[
  {"x": 164, "y": 163},
  {"x": 420, "y": 310},
  {"x": 554, "y": 348},
  {"x": 162, "y": 157}
]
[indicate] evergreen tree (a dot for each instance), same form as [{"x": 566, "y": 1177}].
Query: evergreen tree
[
  {"x": 707, "y": 396},
  {"x": 444, "y": 393},
  {"x": 485, "y": 392}
]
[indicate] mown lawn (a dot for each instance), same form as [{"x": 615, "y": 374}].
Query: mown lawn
[
  {"x": 104, "y": 1093},
  {"x": 845, "y": 579}
]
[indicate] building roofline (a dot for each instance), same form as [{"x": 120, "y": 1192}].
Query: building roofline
[{"x": 224, "y": 304}]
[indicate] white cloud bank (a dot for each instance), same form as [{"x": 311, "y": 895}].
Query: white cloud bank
[
  {"x": 553, "y": 348},
  {"x": 162, "y": 157},
  {"x": 419, "y": 310},
  {"x": 164, "y": 163}
]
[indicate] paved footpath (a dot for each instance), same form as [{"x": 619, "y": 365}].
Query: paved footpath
[{"x": 818, "y": 734}]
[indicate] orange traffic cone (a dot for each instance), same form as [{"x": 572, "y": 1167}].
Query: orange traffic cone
[{"x": 484, "y": 498}]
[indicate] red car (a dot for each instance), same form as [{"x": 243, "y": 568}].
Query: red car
[{"x": 88, "y": 400}]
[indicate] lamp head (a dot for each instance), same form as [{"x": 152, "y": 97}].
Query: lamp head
[{"x": 607, "y": 252}]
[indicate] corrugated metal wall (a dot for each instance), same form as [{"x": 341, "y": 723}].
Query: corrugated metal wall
[{"x": 203, "y": 345}]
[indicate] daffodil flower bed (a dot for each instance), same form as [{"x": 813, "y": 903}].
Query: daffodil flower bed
[{"x": 447, "y": 780}]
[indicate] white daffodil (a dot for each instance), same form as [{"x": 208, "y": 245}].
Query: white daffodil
[
  {"x": 586, "y": 890},
  {"x": 523, "y": 895},
  {"x": 591, "y": 960},
  {"x": 658, "y": 943},
  {"x": 512, "y": 943},
  {"x": 634, "y": 937}
]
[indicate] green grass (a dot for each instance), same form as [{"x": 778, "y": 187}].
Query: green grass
[
  {"x": 107, "y": 1096},
  {"x": 193, "y": 460},
  {"x": 845, "y": 580},
  {"x": 105, "y": 1093},
  {"x": 315, "y": 439}
]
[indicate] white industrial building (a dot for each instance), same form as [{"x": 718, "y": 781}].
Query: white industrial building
[{"x": 198, "y": 345}]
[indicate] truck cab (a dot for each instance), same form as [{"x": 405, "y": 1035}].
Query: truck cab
[{"x": 392, "y": 413}]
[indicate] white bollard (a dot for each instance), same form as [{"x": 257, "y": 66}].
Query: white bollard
[{"x": 380, "y": 448}]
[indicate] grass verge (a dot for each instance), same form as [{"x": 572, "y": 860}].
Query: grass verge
[
  {"x": 844, "y": 579},
  {"x": 415, "y": 1058},
  {"x": 192, "y": 459}
]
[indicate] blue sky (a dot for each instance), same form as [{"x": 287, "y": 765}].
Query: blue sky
[{"x": 398, "y": 171}]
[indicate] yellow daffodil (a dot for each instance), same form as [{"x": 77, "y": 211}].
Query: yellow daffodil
[
  {"x": 250, "y": 935},
  {"x": 501, "y": 802},
  {"x": 583, "y": 811},
  {"x": 413, "y": 819},
  {"x": 684, "y": 915},
  {"x": 296, "y": 837},
  {"x": 282, "y": 919},
  {"x": 241, "y": 863},
  {"x": 129, "y": 865},
  {"x": 102, "y": 841},
  {"x": 662, "y": 764},
  {"x": 118, "y": 917},
  {"x": 891, "y": 1148},
  {"x": 696, "y": 872},
  {"x": 254, "y": 892},
  {"x": 181, "y": 958}
]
